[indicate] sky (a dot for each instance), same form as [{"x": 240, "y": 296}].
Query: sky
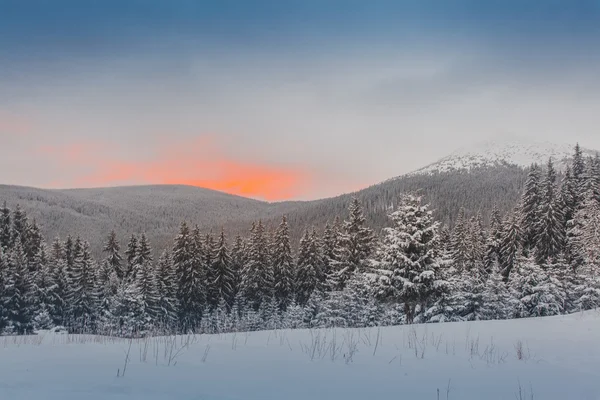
[{"x": 287, "y": 99}]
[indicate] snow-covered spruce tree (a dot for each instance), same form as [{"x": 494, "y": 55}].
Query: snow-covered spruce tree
[
  {"x": 3, "y": 300},
  {"x": 469, "y": 294},
  {"x": 58, "y": 270},
  {"x": 510, "y": 245},
  {"x": 257, "y": 276},
  {"x": 497, "y": 300},
  {"x": 212, "y": 290},
  {"x": 478, "y": 240},
  {"x": 44, "y": 296},
  {"x": 18, "y": 292},
  {"x": 81, "y": 296},
  {"x": 5, "y": 227},
  {"x": 409, "y": 258},
  {"x": 131, "y": 254},
  {"x": 355, "y": 245},
  {"x": 113, "y": 259},
  {"x": 593, "y": 178},
  {"x": 238, "y": 260},
  {"x": 310, "y": 262},
  {"x": 201, "y": 257},
  {"x": 283, "y": 266},
  {"x": 33, "y": 243},
  {"x": 189, "y": 280},
  {"x": 538, "y": 292},
  {"x": 166, "y": 289},
  {"x": 578, "y": 172},
  {"x": 530, "y": 208},
  {"x": 550, "y": 229},
  {"x": 444, "y": 308},
  {"x": 331, "y": 235},
  {"x": 461, "y": 242},
  {"x": 19, "y": 227},
  {"x": 568, "y": 194},
  {"x": 223, "y": 277},
  {"x": 146, "y": 286}
]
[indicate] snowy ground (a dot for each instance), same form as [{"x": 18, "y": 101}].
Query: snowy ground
[{"x": 549, "y": 358}]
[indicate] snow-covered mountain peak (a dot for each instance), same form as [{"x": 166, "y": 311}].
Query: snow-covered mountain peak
[{"x": 514, "y": 152}]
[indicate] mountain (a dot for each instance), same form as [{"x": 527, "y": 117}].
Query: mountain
[
  {"x": 475, "y": 178},
  {"x": 520, "y": 153}
]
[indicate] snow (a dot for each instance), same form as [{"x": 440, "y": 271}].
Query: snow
[
  {"x": 476, "y": 360},
  {"x": 497, "y": 152}
]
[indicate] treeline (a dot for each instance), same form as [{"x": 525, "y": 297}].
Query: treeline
[{"x": 542, "y": 258}]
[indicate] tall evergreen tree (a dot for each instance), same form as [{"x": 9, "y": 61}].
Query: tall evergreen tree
[
  {"x": 511, "y": 243},
  {"x": 82, "y": 299},
  {"x": 223, "y": 275},
  {"x": 113, "y": 256},
  {"x": 166, "y": 289},
  {"x": 5, "y": 227},
  {"x": 257, "y": 277},
  {"x": 356, "y": 243},
  {"x": 283, "y": 266},
  {"x": 131, "y": 254},
  {"x": 19, "y": 226},
  {"x": 238, "y": 261},
  {"x": 461, "y": 242},
  {"x": 530, "y": 208},
  {"x": 189, "y": 280},
  {"x": 550, "y": 229},
  {"x": 18, "y": 293},
  {"x": 213, "y": 293},
  {"x": 409, "y": 258},
  {"x": 309, "y": 268}
]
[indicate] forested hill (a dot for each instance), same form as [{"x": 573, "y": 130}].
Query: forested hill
[{"x": 159, "y": 210}]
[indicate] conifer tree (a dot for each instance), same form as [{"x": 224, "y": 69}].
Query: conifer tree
[
  {"x": 238, "y": 261},
  {"x": 44, "y": 296},
  {"x": 530, "y": 208},
  {"x": 18, "y": 293},
  {"x": 355, "y": 245},
  {"x": 309, "y": 267},
  {"x": 550, "y": 230},
  {"x": 146, "y": 285},
  {"x": 19, "y": 227},
  {"x": 213, "y": 292},
  {"x": 568, "y": 195},
  {"x": 461, "y": 242},
  {"x": 166, "y": 289},
  {"x": 5, "y": 227},
  {"x": 223, "y": 275},
  {"x": 81, "y": 297},
  {"x": 58, "y": 270},
  {"x": 496, "y": 297},
  {"x": 131, "y": 254},
  {"x": 578, "y": 173},
  {"x": 257, "y": 277},
  {"x": 283, "y": 266},
  {"x": 113, "y": 256},
  {"x": 409, "y": 257},
  {"x": 537, "y": 291},
  {"x": 190, "y": 294},
  {"x": 511, "y": 243}
]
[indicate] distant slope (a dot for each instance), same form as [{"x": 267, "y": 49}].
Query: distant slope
[{"x": 157, "y": 210}]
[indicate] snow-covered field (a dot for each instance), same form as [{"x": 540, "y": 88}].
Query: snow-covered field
[{"x": 544, "y": 358}]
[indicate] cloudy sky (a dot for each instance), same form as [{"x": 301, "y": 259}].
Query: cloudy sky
[{"x": 284, "y": 99}]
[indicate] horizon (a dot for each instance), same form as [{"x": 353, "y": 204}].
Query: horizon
[{"x": 287, "y": 101}]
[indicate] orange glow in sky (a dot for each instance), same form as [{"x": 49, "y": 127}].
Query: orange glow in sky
[{"x": 198, "y": 162}]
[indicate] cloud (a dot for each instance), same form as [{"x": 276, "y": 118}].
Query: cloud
[{"x": 200, "y": 161}]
